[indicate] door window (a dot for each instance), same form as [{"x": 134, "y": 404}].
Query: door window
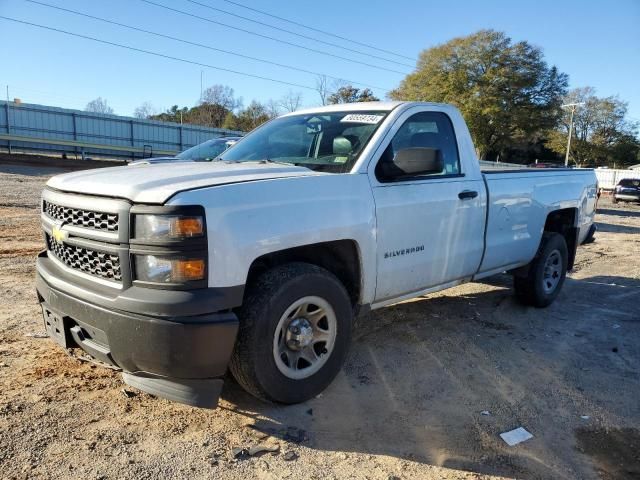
[{"x": 426, "y": 129}]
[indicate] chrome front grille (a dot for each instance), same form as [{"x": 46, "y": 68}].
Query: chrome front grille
[
  {"x": 107, "y": 222},
  {"x": 93, "y": 262}
]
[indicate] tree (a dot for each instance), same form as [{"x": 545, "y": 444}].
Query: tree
[
  {"x": 209, "y": 114},
  {"x": 602, "y": 135},
  {"x": 222, "y": 95},
  {"x": 248, "y": 118},
  {"x": 505, "y": 90},
  {"x": 351, "y": 94},
  {"x": 625, "y": 152},
  {"x": 231, "y": 122},
  {"x": 173, "y": 114},
  {"x": 146, "y": 110},
  {"x": 273, "y": 108},
  {"x": 99, "y": 105},
  {"x": 322, "y": 87},
  {"x": 216, "y": 102},
  {"x": 291, "y": 101}
]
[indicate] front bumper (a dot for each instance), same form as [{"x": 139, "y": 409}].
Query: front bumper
[
  {"x": 629, "y": 197},
  {"x": 179, "y": 357}
]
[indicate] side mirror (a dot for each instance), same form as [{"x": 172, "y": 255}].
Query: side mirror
[{"x": 413, "y": 161}]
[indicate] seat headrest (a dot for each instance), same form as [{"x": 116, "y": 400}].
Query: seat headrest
[
  {"x": 425, "y": 139},
  {"x": 341, "y": 146}
]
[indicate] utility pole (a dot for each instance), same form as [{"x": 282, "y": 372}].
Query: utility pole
[
  {"x": 573, "y": 107},
  {"x": 8, "y": 122},
  {"x": 201, "y": 91}
]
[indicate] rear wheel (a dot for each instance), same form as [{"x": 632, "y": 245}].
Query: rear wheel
[
  {"x": 295, "y": 329},
  {"x": 546, "y": 273}
]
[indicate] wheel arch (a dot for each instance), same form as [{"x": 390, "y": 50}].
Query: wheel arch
[
  {"x": 564, "y": 221},
  {"x": 340, "y": 257}
]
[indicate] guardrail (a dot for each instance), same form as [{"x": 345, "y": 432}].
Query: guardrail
[{"x": 83, "y": 146}]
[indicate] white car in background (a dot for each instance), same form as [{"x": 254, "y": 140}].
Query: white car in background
[{"x": 203, "y": 152}]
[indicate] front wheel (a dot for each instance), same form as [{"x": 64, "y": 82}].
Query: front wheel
[
  {"x": 546, "y": 273},
  {"x": 295, "y": 330}
]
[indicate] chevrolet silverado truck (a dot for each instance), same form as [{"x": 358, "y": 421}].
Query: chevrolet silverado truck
[{"x": 258, "y": 261}]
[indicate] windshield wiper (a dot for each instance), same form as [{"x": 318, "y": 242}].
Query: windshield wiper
[
  {"x": 263, "y": 160},
  {"x": 279, "y": 162}
]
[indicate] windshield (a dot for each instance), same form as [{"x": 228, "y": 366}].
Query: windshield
[
  {"x": 206, "y": 151},
  {"x": 327, "y": 142},
  {"x": 629, "y": 183}
]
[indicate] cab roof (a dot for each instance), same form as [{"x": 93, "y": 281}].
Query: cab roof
[{"x": 360, "y": 106}]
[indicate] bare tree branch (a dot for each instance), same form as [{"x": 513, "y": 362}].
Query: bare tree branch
[
  {"x": 291, "y": 101},
  {"x": 99, "y": 105}
]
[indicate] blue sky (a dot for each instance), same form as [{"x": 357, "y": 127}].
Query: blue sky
[{"x": 596, "y": 43}]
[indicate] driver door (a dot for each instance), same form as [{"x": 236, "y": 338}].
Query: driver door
[{"x": 429, "y": 227}]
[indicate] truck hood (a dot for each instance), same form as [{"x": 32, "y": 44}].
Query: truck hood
[{"x": 157, "y": 183}]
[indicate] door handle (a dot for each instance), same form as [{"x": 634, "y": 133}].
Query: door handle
[{"x": 467, "y": 194}]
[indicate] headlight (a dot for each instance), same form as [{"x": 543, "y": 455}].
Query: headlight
[
  {"x": 168, "y": 227},
  {"x": 159, "y": 269}
]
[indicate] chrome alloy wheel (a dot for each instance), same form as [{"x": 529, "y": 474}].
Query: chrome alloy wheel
[
  {"x": 552, "y": 271},
  {"x": 304, "y": 337}
]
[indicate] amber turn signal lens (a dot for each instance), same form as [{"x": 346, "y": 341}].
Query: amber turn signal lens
[
  {"x": 188, "y": 270},
  {"x": 159, "y": 228},
  {"x": 185, "y": 227}
]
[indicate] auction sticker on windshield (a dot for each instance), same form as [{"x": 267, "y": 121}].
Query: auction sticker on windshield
[{"x": 362, "y": 118}]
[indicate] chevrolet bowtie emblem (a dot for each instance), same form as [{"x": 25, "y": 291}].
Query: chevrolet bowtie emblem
[{"x": 58, "y": 234}]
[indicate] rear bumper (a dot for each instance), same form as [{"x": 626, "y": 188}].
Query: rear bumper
[{"x": 182, "y": 358}]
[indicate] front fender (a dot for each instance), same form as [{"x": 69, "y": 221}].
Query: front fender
[{"x": 248, "y": 220}]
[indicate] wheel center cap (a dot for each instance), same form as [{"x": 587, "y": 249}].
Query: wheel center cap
[{"x": 299, "y": 334}]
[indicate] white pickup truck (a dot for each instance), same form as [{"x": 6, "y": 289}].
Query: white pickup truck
[{"x": 259, "y": 261}]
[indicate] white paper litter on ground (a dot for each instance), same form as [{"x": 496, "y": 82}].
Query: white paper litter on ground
[{"x": 516, "y": 436}]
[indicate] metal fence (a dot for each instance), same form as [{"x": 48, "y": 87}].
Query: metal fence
[
  {"x": 608, "y": 178},
  {"x": 40, "y": 128}
]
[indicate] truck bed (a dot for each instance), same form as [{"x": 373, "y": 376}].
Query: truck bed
[
  {"x": 510, "y": 169},
  {"x": 518, "y": 204}
]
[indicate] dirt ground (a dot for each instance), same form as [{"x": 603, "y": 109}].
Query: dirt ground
[{"x": 428, "y": 386}]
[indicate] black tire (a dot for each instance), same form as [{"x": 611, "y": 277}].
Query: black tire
[
  {"x": 253, "y": 364},
  {"x": 533, "y": 289}
]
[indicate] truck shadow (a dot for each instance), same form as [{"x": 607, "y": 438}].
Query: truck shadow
[
  {"x": 420, "y": 375},
  {"x": 35, "y": 166},
  {"x": 616, "y": 228},
  {"x": 619, "y": 212}
]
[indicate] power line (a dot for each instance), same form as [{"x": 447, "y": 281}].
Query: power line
[
  {"x": 162, "y": 55},
  {"x": 296, "y": 33},
  {"x": 86, "y": 15},
  {"x": 237, "y": 4},
  {"x": 250, "y": 32}
]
